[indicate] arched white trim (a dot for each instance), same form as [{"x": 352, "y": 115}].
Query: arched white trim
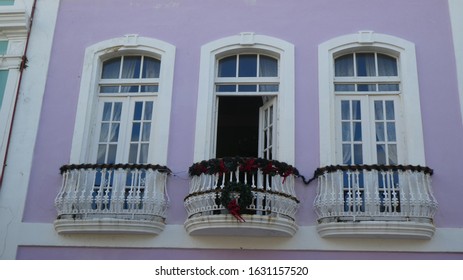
[
  {"x": 368, "y": 40},
  {"x": 234, "y": 44},
  {"x": 456, "y": 17},
  {"x": 89, "y": 84}
]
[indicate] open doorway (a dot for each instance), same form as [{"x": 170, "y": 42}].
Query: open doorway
[{"x": 238, "y": 126}]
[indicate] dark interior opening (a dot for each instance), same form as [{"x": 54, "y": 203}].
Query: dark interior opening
[{"x": 238, "y": 126}]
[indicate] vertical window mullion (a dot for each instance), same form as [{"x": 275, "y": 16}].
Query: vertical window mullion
[
  {"x": 237, "y": 68},
  {"x": 142, "y": 64}
]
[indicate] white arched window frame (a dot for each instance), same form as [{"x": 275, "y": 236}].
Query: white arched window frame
[
  {"x": 87, "y": 108},
  {"x": 410, "y": 112},
  {"x": 205, "y": 117},
  {"x": 13, "y": 36}
]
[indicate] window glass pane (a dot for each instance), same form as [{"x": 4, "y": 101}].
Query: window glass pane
[
  {"x": 344, "y": 66},
  {"x": 3, "y": 47},
  {"x": 3, "y": 80},
  {"x": 129, "y": 89},
  {"x": 151, "y": 67},
  {"x": 112, "y": 150},
  {"x": 247, "y": 88},
  {"x": 271, "y": 115},
  {"x": 358, "y": 154},
  {"x": 146, "y": 131},
  {"x": 365, "y": 64},
  {"x": 133, "y": 153},
  {"x": 104, "y": 132},
  {"x": 117, "y": 111},
  {"x": 101, "y": 155},
  {"x": 387, "y": 65},
  {"x": 356, "y": 111},
  {"x": 268, "y": 88},
  {"x": 247, "y": 65},
  {"x": 107, "y": 111},
  {"x": 346, "y": 154},
  {"x": 114, "y": 132},
  {"x": 391, "y": 135},
  {"x": 266, "y": 119},
  {"x": 109, "y": 89},
  {"x": 6, "y": 2},
  {"x": 357, "y": 126},
  {"x": 138, "y": 111},
  {"x": 388, "y": 87},
  {"x": 345, "y": 110},
  {"x": 379, "y": 113},
  {"x": 346, "y": 135},
  {"x": 153, "y": 88},
  {"x": 143, "y": 153},
  {"x": 227, "y": 67},
  {"x": 392, "y": 149},
  {"x": 344, "y": 87},
  {"x": 379, "y": 131},
  {"x": 226, "y": 88},
  {"x": 111, "y": 68},
  {"x": 131, "y": 67},
  {"x": 268, "y": 66},
  {"x": 135, "y": 132},
  {"x": 366, "y": 87},
  {"x": 148, "y": 110},
  {"x": 381, "y": 153},
  {"x": 390, "y": 110}
]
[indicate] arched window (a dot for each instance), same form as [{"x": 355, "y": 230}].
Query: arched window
[
  {"x": 367, "y": 98},
  {"x": 371, "y": 140},
  {"x": 369, "y": 101},
  {"x": 246, "y": 95},
  {"x": 120, "y": 141},
  {"x": 246, "y": 87},
  {"x": 123, "y": 114},
  {"x": 128, "y": 86}
]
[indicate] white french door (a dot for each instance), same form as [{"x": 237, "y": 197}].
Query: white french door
[
  {"x": 368, "y": 130},
  {"x": 268, "y": 128},
  {"x": 123, "y": 130}
]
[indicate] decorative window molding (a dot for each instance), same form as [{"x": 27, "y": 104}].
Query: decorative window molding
[
  {"x": 371, "y": 141},
  {"x": 86, "y": 108},
  {"x": 234, "y": 45},
  {"x": 368, "y": 41},
  {"x": 114, "y": 183},
  {"x": 13, "y": 42},
  {"x": 456, "y": 17}
]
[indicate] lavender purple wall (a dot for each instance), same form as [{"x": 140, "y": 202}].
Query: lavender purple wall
[
  {"x": 190, "y": 24},
  {"x": 69, "y": 253}
]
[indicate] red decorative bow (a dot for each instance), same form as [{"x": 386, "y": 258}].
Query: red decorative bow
[{"x": 234, "y": 209}]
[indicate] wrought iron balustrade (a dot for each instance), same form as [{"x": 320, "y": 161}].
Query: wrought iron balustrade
[
  {"x": 124, "y": 192},
  {"x": 269, "y": 183},
  {"x": 375, "y": 193}
]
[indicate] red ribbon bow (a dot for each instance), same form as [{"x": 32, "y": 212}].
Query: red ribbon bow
[{"x": 234, "y": 209}]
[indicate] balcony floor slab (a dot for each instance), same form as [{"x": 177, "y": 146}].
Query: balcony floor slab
[
  {"x": 377, "y": 229},
  {"x": 108, "y": 226},
  {"x": 254, "y": 225}
]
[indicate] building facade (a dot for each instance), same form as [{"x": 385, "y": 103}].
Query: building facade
[{"x": 243, "y": 129}]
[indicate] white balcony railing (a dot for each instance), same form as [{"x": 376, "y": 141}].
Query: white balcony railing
[
  {"x": 267, "y": 185},
  {"x": 112, "y": 198},
  {"x": 375, "y": 200}
]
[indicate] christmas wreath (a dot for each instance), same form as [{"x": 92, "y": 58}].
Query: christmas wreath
[{"x": 235, "y": 204}]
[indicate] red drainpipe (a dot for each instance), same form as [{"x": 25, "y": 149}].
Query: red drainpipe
[{"x": 22, "y": 66}]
